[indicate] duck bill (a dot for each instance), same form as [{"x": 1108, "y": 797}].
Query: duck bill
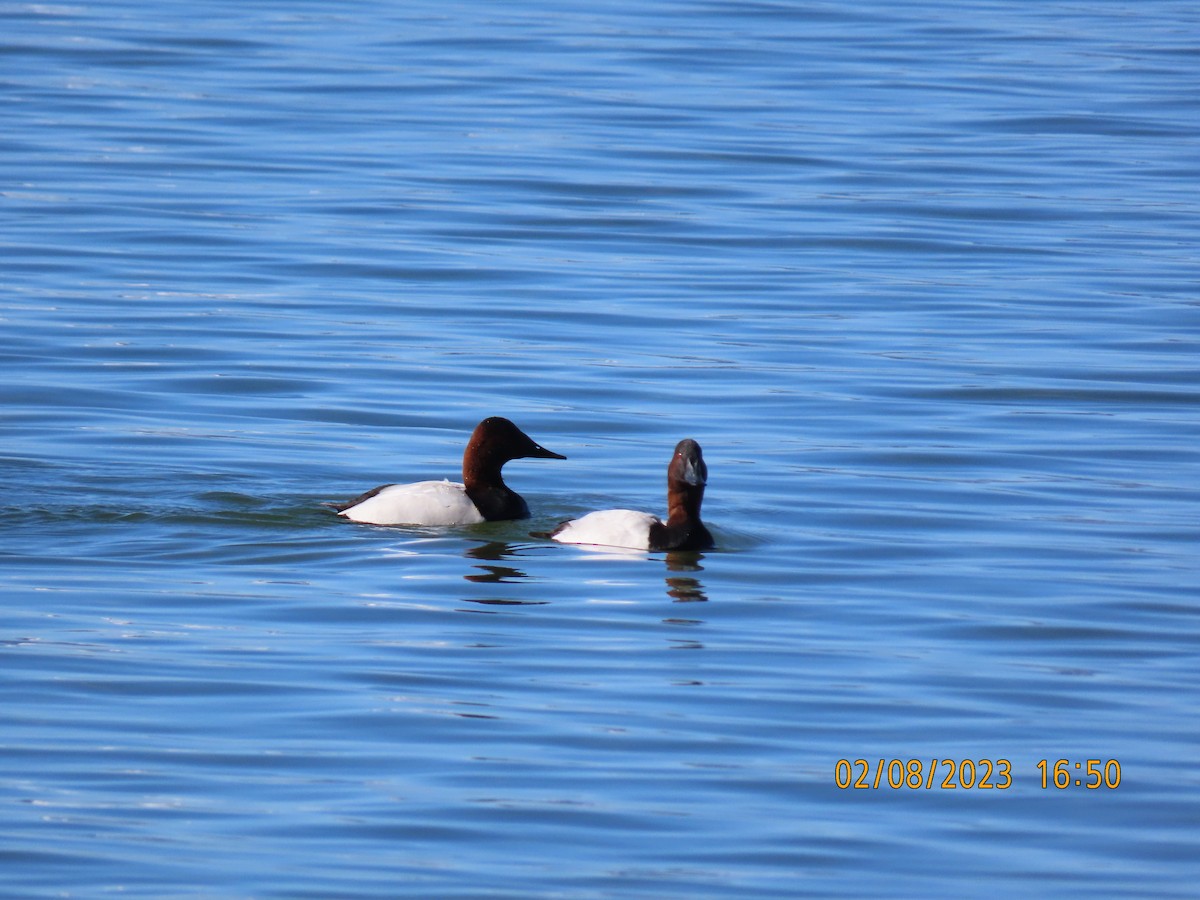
[
  {"x": 695, "y": 472},
  {"x": 537, "y": 451}
]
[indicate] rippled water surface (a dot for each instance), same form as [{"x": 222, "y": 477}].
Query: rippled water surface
[{"x": 921, "y": 278}]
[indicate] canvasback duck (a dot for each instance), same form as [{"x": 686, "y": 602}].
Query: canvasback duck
[
  {"x": 686, "y": 477},
  {"x": 482, "y": 497}
]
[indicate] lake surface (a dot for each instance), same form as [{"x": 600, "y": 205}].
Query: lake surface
[{"x": 923, "y": 281}]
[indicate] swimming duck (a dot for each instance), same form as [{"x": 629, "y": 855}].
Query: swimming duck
[
  {"x": 686, "y": 477},
  {"x": 482, "y": 497}
]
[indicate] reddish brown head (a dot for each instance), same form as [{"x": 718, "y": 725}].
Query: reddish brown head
[
  {"x": 494, "y": 442},
  {"x": 687, "y": 474}
]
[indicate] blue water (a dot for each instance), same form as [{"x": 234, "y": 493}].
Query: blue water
[{"x": 921, "y": 278}]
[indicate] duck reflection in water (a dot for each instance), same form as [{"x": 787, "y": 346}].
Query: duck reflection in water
[
  {"x": 493, "y": 571},
  {"x": 495, "y": 552},
  {"x": 496, "y": 568},
  {"x": 685, "y": 588}
]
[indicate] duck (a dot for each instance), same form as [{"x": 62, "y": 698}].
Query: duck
[
  {"x": 481, "y": 497},
  {"x": 687, "y": 476}
]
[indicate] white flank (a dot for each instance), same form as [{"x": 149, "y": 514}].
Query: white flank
[
  {"x": 419, "y": 503},
  {"x": 610, "y": 528}
]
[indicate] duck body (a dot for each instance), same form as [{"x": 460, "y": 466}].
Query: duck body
[
  {"x": 419, "y": 503},
  {"x": 687, "y": 476},
  {"x": 482, "y": 496},
  {"x": 609, "y": 528}
]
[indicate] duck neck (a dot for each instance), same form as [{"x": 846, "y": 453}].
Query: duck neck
[
  {"x": 683, "y": 529},
  {"x": 482, "y": 472},
  {"x": 493, "y": 498},
  {"x": 683, "y": 502}
]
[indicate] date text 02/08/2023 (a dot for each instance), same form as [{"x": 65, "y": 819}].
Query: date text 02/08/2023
[{"x": 971, "y": 774}]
